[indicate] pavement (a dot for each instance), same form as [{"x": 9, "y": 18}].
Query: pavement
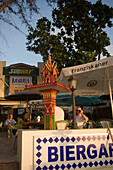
[{"x": 8, "y": 155}]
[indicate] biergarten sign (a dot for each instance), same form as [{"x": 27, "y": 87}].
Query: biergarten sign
[
  {"x": 20, "y": 71},
  {"x": 78, "y": 151}
]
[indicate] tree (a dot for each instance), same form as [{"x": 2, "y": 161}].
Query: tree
[
  {"x": 21, "y": 8},
  {"x": 76, "y": 35}
]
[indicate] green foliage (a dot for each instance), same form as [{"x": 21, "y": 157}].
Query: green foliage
[{"x": 75, "y": 36}]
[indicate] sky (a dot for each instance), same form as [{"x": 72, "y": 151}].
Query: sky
[{"x": 13, "y": 42}]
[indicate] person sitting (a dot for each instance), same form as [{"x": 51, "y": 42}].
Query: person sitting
[
  {"x": 22, "y": 123},
  {"x": 80, "y": 117},
  {"x": 9, "y": 123}
]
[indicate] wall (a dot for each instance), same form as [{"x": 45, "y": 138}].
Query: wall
[{"x": 2, "y": 78}]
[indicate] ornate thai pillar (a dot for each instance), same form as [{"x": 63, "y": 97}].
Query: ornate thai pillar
[
  {"x": 49, "y": 97},
  {"x": 49, "y": 88}
]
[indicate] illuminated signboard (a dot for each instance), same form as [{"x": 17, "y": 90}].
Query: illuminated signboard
[{"x": 20, "y": 71}]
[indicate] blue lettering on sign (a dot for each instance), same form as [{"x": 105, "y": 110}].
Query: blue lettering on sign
[
  {"x": 20, "y": 80},
  {"x": 12, "y": 80},
  {"x": 61, "y": 153},
  {"x": 67, "y": 153},
  {"x": 80, "y": 151},
  {"x": 52, "y": 154},
  {"x": 111, "y": 149},
  {"x": 90, "y": 155},
  {"x": 103, "y": 151}
]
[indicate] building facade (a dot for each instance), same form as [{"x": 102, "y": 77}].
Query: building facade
[{"x": 13, "y": 79}]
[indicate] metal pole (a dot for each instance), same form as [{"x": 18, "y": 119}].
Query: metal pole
[
  {"x": 74, "y": 112},
  {"x": 110, "y": 91},
  {"x": 30, "y": 111}
]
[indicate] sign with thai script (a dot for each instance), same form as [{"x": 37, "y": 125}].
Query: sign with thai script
[
  {"x": 20, "y": 71},
  {"x": 86, "y": 151}
]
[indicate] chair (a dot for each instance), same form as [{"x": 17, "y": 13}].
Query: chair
[
  {"x": 9, "y": 131},
  {"x": 91, "y": 124},
  {"x": 88, "y": 124},
  {"x": 61, "y": 124},
  {"x": 14, "y": 137},
  {"x": 104, "y": 121},
  {"x": 104, "y": 124},
  {"x": 59, "y": 113}
]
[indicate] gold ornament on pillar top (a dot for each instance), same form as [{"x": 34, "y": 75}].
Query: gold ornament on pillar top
[
  {"x": 49, "y": 97},
  {"x": 49, "y": 72}
]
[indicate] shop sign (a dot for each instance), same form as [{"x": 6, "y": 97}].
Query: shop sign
[
  {"x": 20, "y": 71},
  {"x": 17, "y": 83},
  {"x": 87, "y": 109},
  {"x": 20, "y": 80},
  {"x": 88, "y": 151},
  {"x": 16, "y": 88}
]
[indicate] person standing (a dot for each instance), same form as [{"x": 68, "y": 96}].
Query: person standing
[{"x": 80, "y": 117}]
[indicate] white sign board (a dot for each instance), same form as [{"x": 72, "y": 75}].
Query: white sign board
[
  {"x": 20, "y": 80},
  {"x": 66, "y": 149},
  {"x": 17, "y": 83},
  {"x": 70, "y": 152}
]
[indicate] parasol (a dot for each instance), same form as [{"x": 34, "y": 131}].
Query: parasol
[
  {"x": 105, "y": 97},
  {"x": 80, "y": 100},
  {"x": 24, "y": 96},
  {"x": 94, "y": 78}
]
